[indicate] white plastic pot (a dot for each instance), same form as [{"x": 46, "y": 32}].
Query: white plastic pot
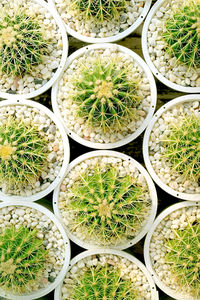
[
  {"x": 61, "y": 66},
  {"x": 51, "y": 187},
  {"x": 149, "y": 62},
  {"x": 152, "y": 191},
  {"x": 109, "y": 39},
  {"x": 130, "y": 137},
  {"x": 154, "y": 293},
  {"x": 147, "y": 258},
  {"x": 53, "y": 285},
  {"x": 164, "y": 108}
]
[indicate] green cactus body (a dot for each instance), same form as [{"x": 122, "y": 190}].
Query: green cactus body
[
  {"x": 100, "y": 10},
  {"x": 22, "y": 259},
  {"x": 183, "y": 257},
  {"x": 107, "y": 98},
  {"x": 182, "y": 33},
  {"x": 181, "y": 147},
  {"x": 23, "y": 154},
  {"x": 108, "y": 208},
  {"x": 105, "y": 283},
  {"x": 22, "y": 45}
]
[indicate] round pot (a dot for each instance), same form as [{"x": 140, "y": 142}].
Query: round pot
[
  {"x": 148, "y": 260},
  {"x": 113, "y": 38},
  {"x": 170, "y": 105},
  {"x": 122, "y": 254},
  {"x": 52, "y": 285},
  {"x": 146, "y": 120},
  {"x": 58, "y": 69},
  {"x": 154, "y": 69},
  {"x": 63, "y": 137},
  {"x": 87, "y": 244}
]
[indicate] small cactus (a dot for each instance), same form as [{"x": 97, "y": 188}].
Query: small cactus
[
  {"x": 182, "y": 33},
  {"x": 100, "y": 10},
  {"x": 107, "y": 207},
  {"x": 105, "y": 283},
  {"x": 22, "y": 45},
  {"x": 22, "y": 259},
  {"x": 107, "y": 98},
  {"x": 181, "y": 147},
  {"x": 23, "y": 154},
  {"x": 183, "y": 258}
]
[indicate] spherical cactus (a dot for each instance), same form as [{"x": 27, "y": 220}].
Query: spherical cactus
[
  {"x": 182, "y": 33},
  {"x": 100, "y": 10},
  {"x": 103, "y": 282},
  {"x": 23, "y": 154},
  {"x": 22, "y": 259},
  {"x": 181, "y": 147},
  {"x": 106, "y": 96},
  {"x": 22, "y": 45},
  {"x": 183, "y": 258},
  {"x": 107, "y": 207}
]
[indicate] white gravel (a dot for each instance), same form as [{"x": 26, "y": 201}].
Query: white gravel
[
  {"x": 49, "y": 131},
  {"x": 171, "y": 178},
  {"x": 45, "y": 71},
  {"x": 166, "y": 64},
  {"x": 47, "y": 231},
  {"x": 128, "y": 270},
  {"x": 177, "y": 220},
  {"x": 91, "y": 28},
  {"x": 68, "y": 108},
  {"x": 69, "y": 217}
]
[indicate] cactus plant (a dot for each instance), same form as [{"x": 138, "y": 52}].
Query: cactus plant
[
  {"x": 22, "y": 259},
  {"x": 100, "y": 10},
  {"x": 22, "y": 45},
  {"x": 182, "y": 33},
  {"x": 107, "y": 207},
  {"x": 183, "y": 257},
  {"x": 23, "y": 154},
  {"x": 181, "y": 147},
  {"x": 106, "y": 96},
  {"x": 103, "y": 282}
]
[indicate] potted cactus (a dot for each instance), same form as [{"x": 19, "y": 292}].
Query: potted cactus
[
  {"x": 105, "y": 97},
  {"x": 33, "y": 48},
  {"x": 106, "y": 274},
  {"x": 106, "y": 199},
  {"x": 34, "y": 251},
  {"x": 171, "y": 251},
  {"x": 34, "y": 150},
  {"x": 101, "y": 21},
  {"x": 171, "y": 147},
  {"x": 171, "y": 43}
]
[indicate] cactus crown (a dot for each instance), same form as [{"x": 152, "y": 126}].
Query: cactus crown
[
  {"x": 22, "y": 259},
  {"x": 22, "y": 45},
  {"x": 106, "y": 96},
  {"x": 23, "y": 154},
  {"x": 103, "y": 282},
  {"x": 107, "y": 208},
  {"x": 100, "y": 10},
  {"x": 182, "y": 33},
  {"x": 181, "y": 147},
  {"x": 183, "y": 257}
]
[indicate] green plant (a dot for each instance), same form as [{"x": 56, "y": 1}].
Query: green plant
[
  {"x": 23, "y": 154},
  {"x": 22, "y": 45},
  {"x": 103, "y": 283},
  {"x": 107, "y": 207},
  {"x": 106, "y": 96},
  {"x": 100, "y": 10},
  {"x": 182, "y": 33},
  {"x": 22, "y": 259},
  {"x": 183, "y": 257},
  {"x": 181, "y": 147}
]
